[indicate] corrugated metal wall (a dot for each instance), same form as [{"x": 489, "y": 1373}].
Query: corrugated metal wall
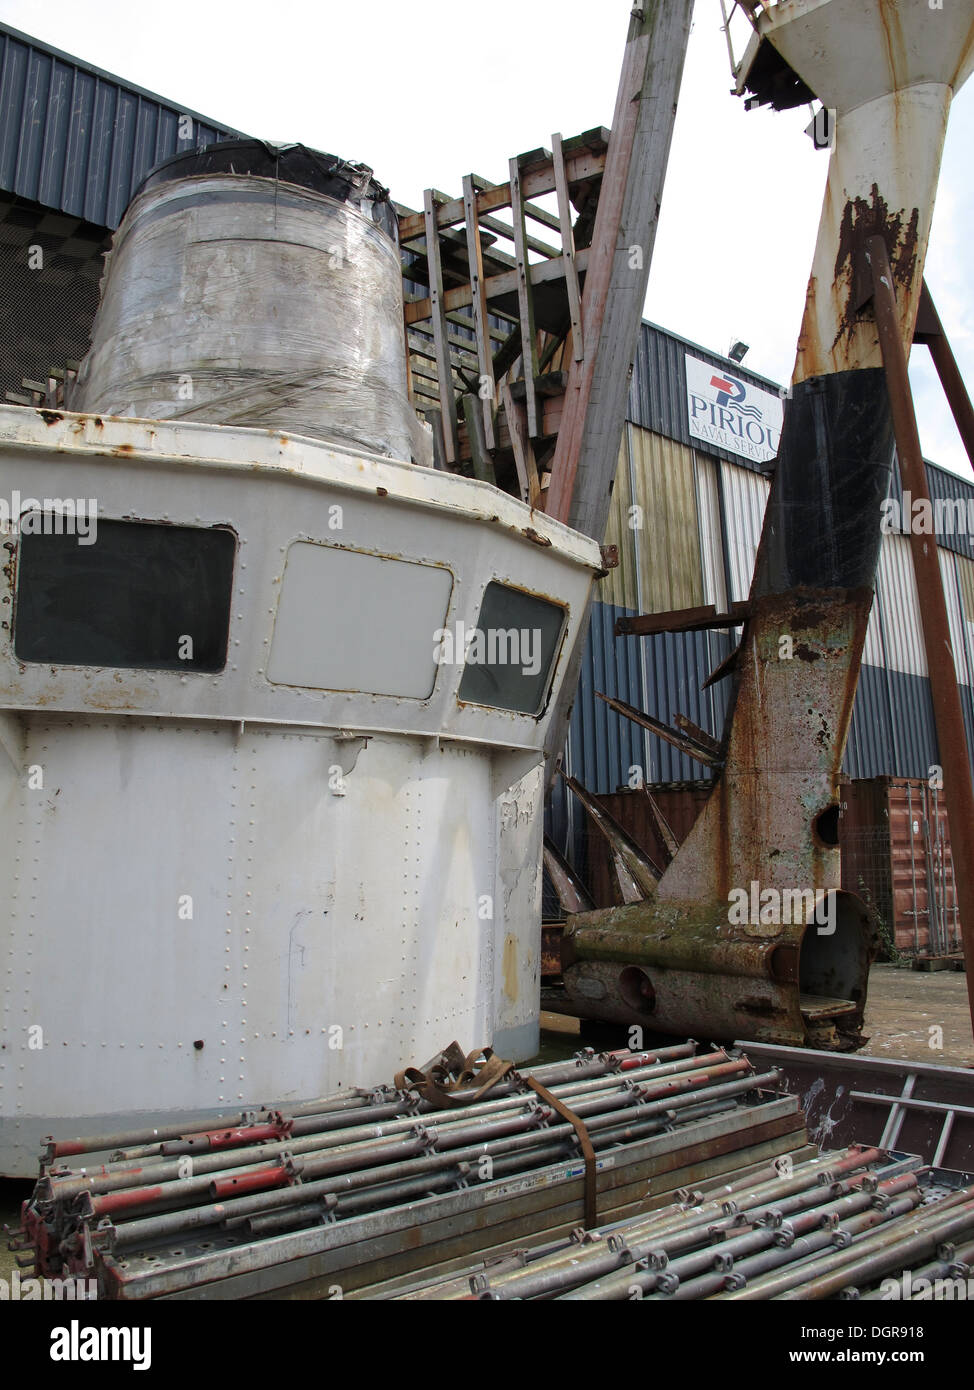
[
  {"x": 78, "y": 140},
  {"x": 604, "y": 745},
  {"x": 952, "y": 499},
  {"x": 653, "y": 520},
  {"x": 713, "y": 559},
  {"x": 745, "y": 501},
  {"x": 660, "y": 675}
]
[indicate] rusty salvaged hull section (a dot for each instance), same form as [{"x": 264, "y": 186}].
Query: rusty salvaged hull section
[
  {"x": 682, "y": 960},
  {"x": 789, "y": 967}
]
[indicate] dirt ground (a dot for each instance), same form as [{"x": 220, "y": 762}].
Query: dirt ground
[
  {"x": 904, "y": 1012},
  {"x": 905, "y": 1009}
]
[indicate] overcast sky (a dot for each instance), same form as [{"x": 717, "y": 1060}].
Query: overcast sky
[{"x": 428, "y": 91}]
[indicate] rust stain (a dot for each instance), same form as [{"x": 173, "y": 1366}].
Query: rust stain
[
  {"x": 893, "y": 40},
  {"x": 861, "y": 219},
  {"x": 532, "y": 535},
  {"x": 51, "y": 417},
  {"x": 552, "y": 934},
  {"x": 509, "y": 966}
]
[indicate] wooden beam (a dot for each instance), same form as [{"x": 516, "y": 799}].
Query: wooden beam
[
  {"x": 542, "y": 215},
  {"x": 568, "y": 246},
  {"x": 448, "y": 403},
  {"x": 453, "y": 257},
  {"x": 496, "y": 287},
  {"x": 425, "y": 347},
  {"x": 618, "y": 271},
  {"x": 683, "y": 620},
  {"x": 468, "y": 345},
  {"x": 466, "y": 321},
  {"x": 419, "y": 389},
  {"x": 480, "y": 459},
  {"x": 542, "y": 247},
  {"x": 548, "y": 384},
  {"x": 581, "y": 165},
  {"x": 525, "y": 300},
  {"x": 524, "y": 459},
  {"x": 488, "y": 387}
]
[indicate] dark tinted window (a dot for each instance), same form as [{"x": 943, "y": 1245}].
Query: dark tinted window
[
  {"x": 140, "y": 595},
  {"x": 510, "y": 658}
]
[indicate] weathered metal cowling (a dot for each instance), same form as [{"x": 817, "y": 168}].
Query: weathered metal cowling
[{"x": 249, "y": 285}]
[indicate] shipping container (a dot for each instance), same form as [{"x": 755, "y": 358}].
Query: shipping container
[{"x": 895, "y": 843}]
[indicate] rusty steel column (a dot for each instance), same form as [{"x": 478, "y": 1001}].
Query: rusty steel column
[
  {"x": 948, "y": 713},
  {"x": 930, "y": 332}
]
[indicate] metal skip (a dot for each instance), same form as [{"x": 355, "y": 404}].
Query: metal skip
[{"x": 747, "y": 930}]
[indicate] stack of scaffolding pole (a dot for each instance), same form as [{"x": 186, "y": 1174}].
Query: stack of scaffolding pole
[
  {"x": 859, "y": 1224},
  {"x": 334, "y": 1191}
]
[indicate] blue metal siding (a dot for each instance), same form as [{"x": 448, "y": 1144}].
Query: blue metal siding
[
  {"x": 603, "y": 745},
  {"x": 678, "y": 664},
  {"x": 79, "y": 140},
  {"x": 871, "y": 750},
  {"x": 944, "y": 486},
  {"x": 892, "y": 734},
  {"x": 893, "y": 731}
]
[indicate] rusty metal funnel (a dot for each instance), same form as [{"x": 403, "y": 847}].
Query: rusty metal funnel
[{"x": 888, "y": 70}]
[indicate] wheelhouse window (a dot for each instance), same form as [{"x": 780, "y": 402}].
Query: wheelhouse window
[
  {"x": 349, "y": 620},
  {"x": 511, "y": 654},
  {"x": 134, "y": 594}
]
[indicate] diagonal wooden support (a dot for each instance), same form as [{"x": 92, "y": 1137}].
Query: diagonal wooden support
[
  {"x": 619, "y": 262},
  {"x": 524, "y": 459}
]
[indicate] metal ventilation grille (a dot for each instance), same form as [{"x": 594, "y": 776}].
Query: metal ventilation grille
[{"x": 50, "y": 268}]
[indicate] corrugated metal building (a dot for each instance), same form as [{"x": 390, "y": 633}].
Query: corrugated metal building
[
  {"x": 75, "y": 143},
  {"x": 686, "y": 515}
]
